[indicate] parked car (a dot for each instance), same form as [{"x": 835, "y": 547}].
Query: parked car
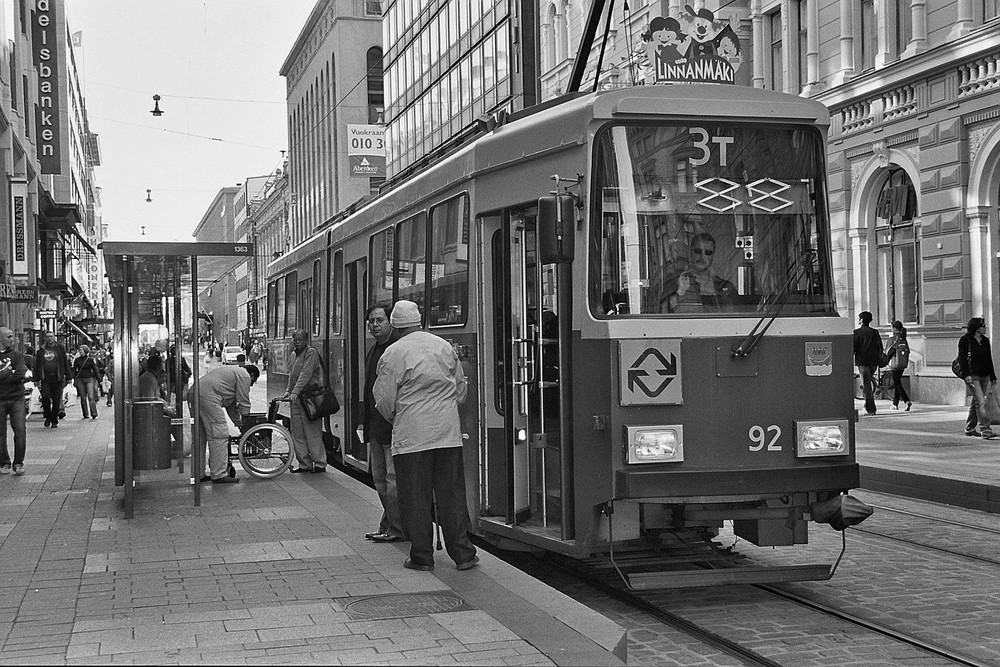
[{"x": 231, "y": 354}]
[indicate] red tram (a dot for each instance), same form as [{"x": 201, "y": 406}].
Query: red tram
[{"x": 638, "y": 283}]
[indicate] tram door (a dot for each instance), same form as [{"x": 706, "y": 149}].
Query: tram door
[
  {"x": 529, "y": 365},
  {"x": 356, "y": 283}
]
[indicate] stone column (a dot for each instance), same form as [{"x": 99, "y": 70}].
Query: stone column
[
  {"x": 858, "y": 239},
  {"x": 757, "y": 18},
  {"x": 846, "y": 72},
  {"x": 981, "y": 263},
  {"x": 814, "y": 85},
  {"x": 963, "y": 22},
  {"x": 918, "y": 21}
]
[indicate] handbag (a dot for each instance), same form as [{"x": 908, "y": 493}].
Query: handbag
[
  {"x": 993, "y": 407},
  {"x": 956, "y": 367},
  {"x": 317, "y": 400}
]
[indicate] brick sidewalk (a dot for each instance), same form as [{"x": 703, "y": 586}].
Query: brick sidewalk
[{"x": 266, "y": 571}]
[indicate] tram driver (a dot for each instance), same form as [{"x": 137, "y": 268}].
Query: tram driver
[{"x": 698, "y": 288}]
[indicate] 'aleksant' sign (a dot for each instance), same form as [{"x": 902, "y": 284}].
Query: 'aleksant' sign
[{"x": 45, "y": 42}]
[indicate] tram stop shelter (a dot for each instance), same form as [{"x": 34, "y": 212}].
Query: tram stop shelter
[{"x": 154, "y": 283}]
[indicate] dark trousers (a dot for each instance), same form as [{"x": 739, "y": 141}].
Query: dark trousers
[
  {"x": 899, "y": 391},
  {"x": 384, "y": 477},
  {"x": 868, "y": 386},
  {"x": 419, "y": 477},
  {"x": 52, "y": 399},
  {"x": 18, "y": 413}
]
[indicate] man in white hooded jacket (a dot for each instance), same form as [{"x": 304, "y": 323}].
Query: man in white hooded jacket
[{"x": 419, "y": 387}]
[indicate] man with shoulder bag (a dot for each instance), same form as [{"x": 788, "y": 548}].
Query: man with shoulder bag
[{"x": 305, "y": 370}]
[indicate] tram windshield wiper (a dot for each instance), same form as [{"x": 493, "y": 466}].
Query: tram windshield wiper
[{"x": 773, "y": 309}]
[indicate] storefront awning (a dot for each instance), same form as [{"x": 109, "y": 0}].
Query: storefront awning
[{"x": 72, "y": 325}]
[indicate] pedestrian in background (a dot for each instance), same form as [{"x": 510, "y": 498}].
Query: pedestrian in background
[
  {"x": 12, "y": 369},
  {"x": 377, "y": 432},
  {"x": 110, "y": 373},
  {"x": 867, "y": 354},
  {"x": 172, "y": 372},
  {"x": 976, "y": 359},
  {"x": 87, "y": 373},
  {"x": 52, "y": 374},
  {"x": 305, "y": 370},
  {"x": 419, "y": 387},
  {"x": 898, "y": 351}
]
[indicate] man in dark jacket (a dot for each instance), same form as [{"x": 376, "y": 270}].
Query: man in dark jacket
[
  {"x": 51, "y": 375},
  {"x": 12, "y": 405},
  {"x": 867, "y": 355},
  {"x": 377, "y": 432}
]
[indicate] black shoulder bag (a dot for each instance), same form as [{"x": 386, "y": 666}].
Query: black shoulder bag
[{"x": 318, "y": 400}]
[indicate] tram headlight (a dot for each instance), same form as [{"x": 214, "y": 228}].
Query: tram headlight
[
  {"x": 822, "y": 438},
  {"x": 654, "y": 444}
]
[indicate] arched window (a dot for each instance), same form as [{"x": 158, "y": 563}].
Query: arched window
[
  {"x": 549, "y": 29},
  {"x": 562, "y": 34},
  {"x": 897, "y": 250}
]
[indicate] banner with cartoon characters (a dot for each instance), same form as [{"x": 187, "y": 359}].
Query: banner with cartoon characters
[{"x": 693, "y": 48}]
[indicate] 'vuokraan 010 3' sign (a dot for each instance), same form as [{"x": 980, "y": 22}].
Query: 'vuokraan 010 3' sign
[
  {"x": 692, "y": 48},
  {"x": 45, "y": 44}
]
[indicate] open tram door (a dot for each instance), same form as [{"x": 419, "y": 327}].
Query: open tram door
[{"x": 527, "y": 479}]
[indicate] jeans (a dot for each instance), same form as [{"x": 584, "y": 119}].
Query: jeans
[
  {"x": 52, "y": 399},
  {"x": 17, "y": 411},
  {"x": 384, "y": 476},
  {"x": 867, "y": 380},
  {"x": 86, "y": 391},
  {"x": 421, "y": 477},
  {"x": 977, "y": 410},
  {"x": 899, "y": 393}
]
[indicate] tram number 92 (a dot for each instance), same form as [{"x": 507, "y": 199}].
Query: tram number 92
[{"x": 761, "y": 436}]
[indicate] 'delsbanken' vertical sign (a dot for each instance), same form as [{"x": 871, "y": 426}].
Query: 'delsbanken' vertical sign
[
  {"x": 694, "y": 47},
  {"x": 45, "y": 46}
]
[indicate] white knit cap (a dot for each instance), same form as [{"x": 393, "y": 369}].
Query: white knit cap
[{"x": 405, "y": 314}]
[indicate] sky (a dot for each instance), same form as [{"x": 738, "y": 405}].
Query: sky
[{"x": 215, "y": 65}]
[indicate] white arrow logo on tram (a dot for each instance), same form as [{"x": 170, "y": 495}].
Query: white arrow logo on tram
[{"x": 667, "y": 370}]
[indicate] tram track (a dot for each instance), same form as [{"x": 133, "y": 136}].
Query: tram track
[{"x": 655, "y": 605}]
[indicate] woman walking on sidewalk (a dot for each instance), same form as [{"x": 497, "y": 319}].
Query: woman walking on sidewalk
[
  {"x": 87, "y": 373},
  {"x": 899, "y": 358},
  {"x": 976, "y": 359}
]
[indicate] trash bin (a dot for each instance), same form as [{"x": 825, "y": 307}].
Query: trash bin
[{"x": 150, "y": 435}]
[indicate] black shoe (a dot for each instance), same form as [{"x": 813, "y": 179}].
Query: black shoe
[
  {"x": 226, "y": 480},
  {"x": 410, "y": 565},
  {"x": 205, "y": 478},
  {"x": 319, "y": 469},
  {"x": 47, "y": 423},
  {"x": 972, "y": 434},
  {"x": 55, "y": 424},
  {"x": 301, "y": 469},
  {"x": 85, "y": 417},
  {"x": 908, "y": 404},
  {"x": 386, "y": 537},
  {"x": 469, "y": 564},
  {"x": 94, "y": 416}
]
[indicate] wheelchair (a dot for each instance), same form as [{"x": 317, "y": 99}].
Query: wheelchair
[{"x": 264, "y": 447}]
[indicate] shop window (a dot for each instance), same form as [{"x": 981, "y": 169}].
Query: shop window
[{"x": 897, "y": 251}]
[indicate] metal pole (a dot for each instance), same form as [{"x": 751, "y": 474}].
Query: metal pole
[
  {"x": 177, "y": 427},
  {"x": 197, "y": 447}
]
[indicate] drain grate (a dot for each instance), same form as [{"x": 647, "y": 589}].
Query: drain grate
[{"x": 403, "y": 605}]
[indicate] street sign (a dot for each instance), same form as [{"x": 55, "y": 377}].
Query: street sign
[
  {"x": 46, "y": 314},
  {"x": 366, "y": 150}
]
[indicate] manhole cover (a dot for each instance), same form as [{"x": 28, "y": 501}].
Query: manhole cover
[{"x": 401, "y": 605}]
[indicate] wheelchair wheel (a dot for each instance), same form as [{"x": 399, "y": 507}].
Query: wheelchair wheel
[
  {"x": 230, "y": 470},
  {"x": 265, "y": 450}
]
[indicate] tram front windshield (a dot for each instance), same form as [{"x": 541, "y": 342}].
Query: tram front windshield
[{"x": 697, "y": 219}]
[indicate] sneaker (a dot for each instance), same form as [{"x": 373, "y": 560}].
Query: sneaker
[
  {"x": 469, "y": 564},
  {"x": 18, "y": 469},
  {"x": 5, "y": 470}
]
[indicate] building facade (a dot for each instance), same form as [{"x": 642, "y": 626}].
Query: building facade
[
  {"x": 913, "y": 88},
  {"x": 52, "y": 277},
  {"x": 217, "y": 309},
  {"x": 333, "y": 79}
]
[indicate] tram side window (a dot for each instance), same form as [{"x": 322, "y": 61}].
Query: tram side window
[
  {"x": 380, "y": 261},
  {"x": 272, "y": 310},
  {"x": 411, "y": 263},
  {"x": 291, "y": 286},
  {"x": 317, "y": 301},
  {"x": 336, "y": 301},
  {"x": 279, "y": 308},
  {"x": 449, "y": 261},
  {"x": 304, "y": 305}
]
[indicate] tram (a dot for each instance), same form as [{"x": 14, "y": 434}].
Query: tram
[{"x": 638, "y": 283}]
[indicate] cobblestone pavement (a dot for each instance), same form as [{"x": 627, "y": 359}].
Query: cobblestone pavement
[{"x": 264, "y": 571}]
